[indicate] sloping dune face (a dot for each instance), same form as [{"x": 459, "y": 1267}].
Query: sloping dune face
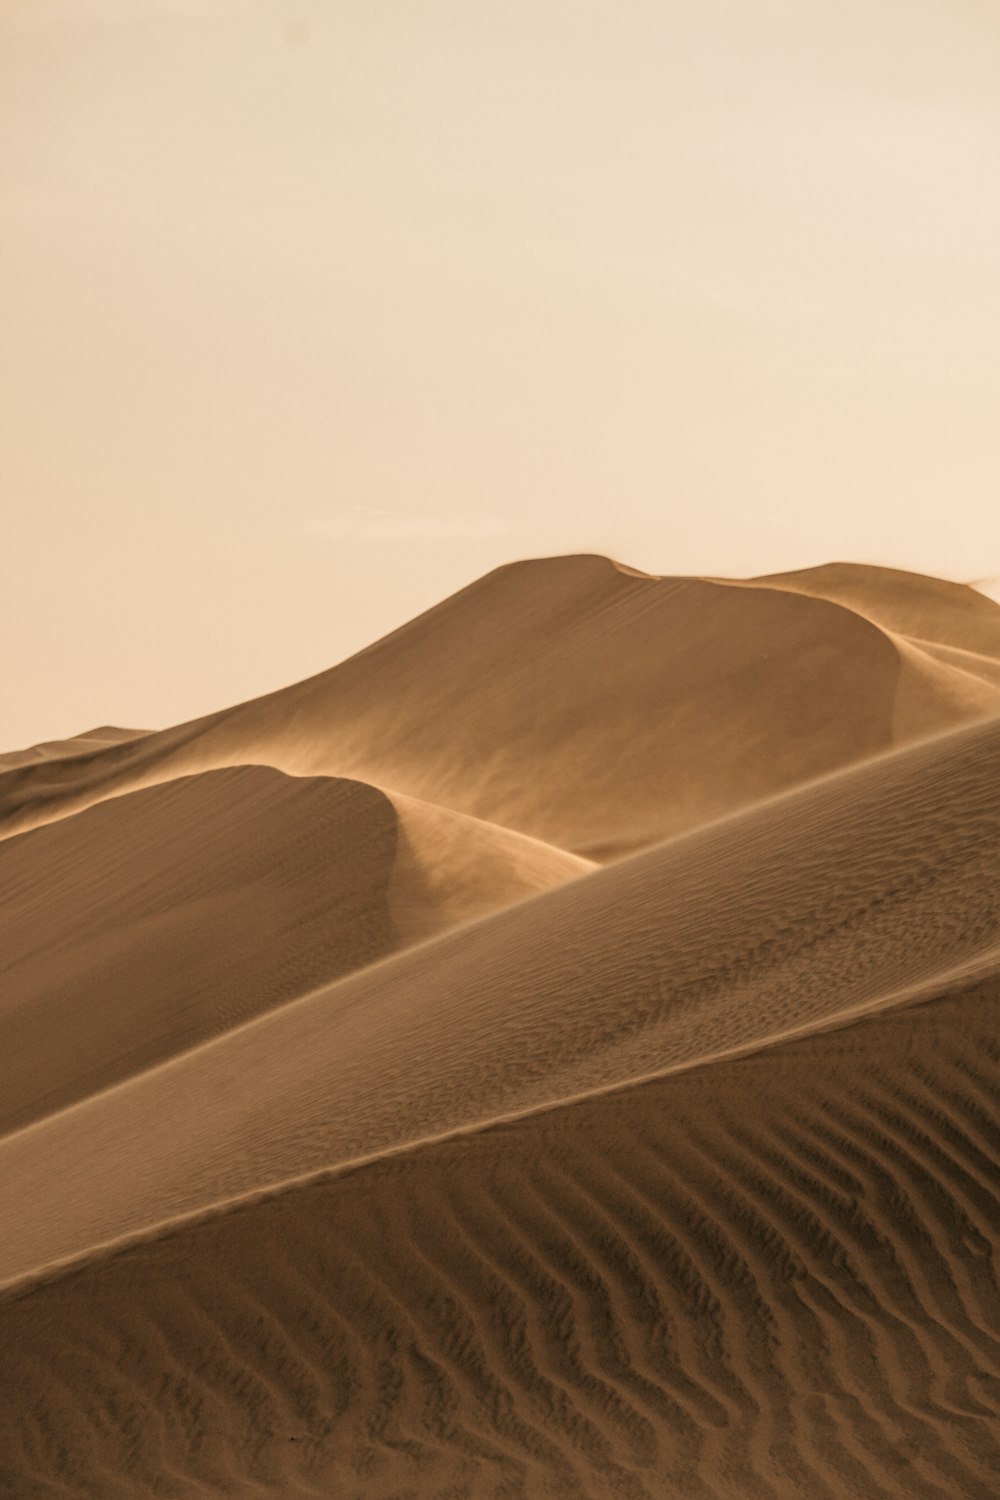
[
  {"x": 155, "y": 920},
  {"x": 555, "y": 1053}
]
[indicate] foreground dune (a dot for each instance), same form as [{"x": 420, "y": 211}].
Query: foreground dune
[
  {"x": 553, "y": 1054},
  {"x": 773, "y": 1277}
]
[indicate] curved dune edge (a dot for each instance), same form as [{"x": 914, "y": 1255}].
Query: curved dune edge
[
  {"x": 771, "y": 1277},
  {"x": 946, "y": 634},
  {"x": 909, "y": 604},
  {"x": 879, "y": 881},
  {"x": 461, "y": 708},
  {"x": 175, "y": 913}
]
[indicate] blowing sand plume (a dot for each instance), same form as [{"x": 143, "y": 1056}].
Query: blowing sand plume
[{"x": 551, "y": 1054}]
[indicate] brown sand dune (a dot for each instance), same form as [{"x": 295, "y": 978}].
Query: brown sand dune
[
  {"x": 948, "y": 635},
  {"x": 79, "y": 744},
  {"x": 773, "y": 1277},
  {"x": 767, "y": 1275},
  {"x": 450, "y": 869},
  {"x": 150, "y": 922},
  {"x": 909, "y": 604},
  {"x": 680, "y": 1179},
  {"x": 590, "y": 707},
  {"x": 874, "y": 886}
]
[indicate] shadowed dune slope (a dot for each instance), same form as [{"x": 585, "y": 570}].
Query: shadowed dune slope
[
  {"x": 580, "y": 703},
  {"x": 876, "y": 885},
  {"x": 930, "y": 610},
  {"x": 150, "y": 922},
  {"x": 773, "y": 1277},
  {"x": 947, "y": 634}
]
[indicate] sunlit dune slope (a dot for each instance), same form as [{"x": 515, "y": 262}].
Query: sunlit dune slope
[
  {"x": 865, "y": 889},
  {"x": 773, "y": 1277},
  {"x": 450, "y": 869},
  {"x": 589, "y": 707},
  {"x": 154, "y": 920}
]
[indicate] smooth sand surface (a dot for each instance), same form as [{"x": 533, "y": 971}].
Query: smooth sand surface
[{"x": 558, "y": 1059}]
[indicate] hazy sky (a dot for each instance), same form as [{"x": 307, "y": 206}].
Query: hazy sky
[{"x": 312, "y": 313}]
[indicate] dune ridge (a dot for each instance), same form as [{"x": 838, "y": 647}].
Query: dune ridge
[
  {"x": 552, "y": 1054},
  {"x": 670, "y": 700}
]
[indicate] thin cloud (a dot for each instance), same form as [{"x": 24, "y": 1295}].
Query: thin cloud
[{"x": 387, "y": 526}]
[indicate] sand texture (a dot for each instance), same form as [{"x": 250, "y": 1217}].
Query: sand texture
[{"x": 552, "y": 1054}]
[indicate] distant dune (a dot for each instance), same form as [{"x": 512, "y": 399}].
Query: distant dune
[
  {"x": 590, "y": 707},
  {"x": 553, "y": 1053},
  {"x": 79, "y": 744}
]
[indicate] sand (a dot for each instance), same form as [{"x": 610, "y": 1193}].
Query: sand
[
  {"x": 186, "y": 908},
  {"x": 589, "y": 707},
  {"x": 77, "y": 744},
  {"x": 553, "y": 1053}
]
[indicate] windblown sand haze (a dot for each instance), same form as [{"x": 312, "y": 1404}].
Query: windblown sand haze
[{"x": 553, "y": 1053}]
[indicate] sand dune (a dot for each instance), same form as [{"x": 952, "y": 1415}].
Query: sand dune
[
  {"x": 847, "y": 895},
  {"x": 155, "y": 920},
  {"x": 948, "y": 636},
  {"x": 908, "y": 604},
  {"x": 773, "y": 1277},
  {"x": 587, "y": 706},
  {"x": 449, "y": 869},
  {"x": 552, "y": 1054},
  {"x": 79, "y": 744}
]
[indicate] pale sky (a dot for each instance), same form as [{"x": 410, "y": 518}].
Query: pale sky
[{"x": 311, "y": 313}]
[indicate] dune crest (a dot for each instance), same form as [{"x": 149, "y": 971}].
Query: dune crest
[{"x": 571, "y": 701}]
